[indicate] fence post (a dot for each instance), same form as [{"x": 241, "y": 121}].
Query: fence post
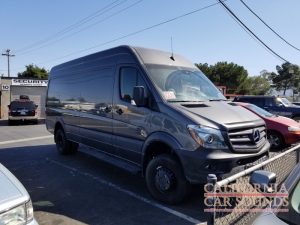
[
  {"x": 211, "y": 182},
  {"x": 298, "y": 155}
]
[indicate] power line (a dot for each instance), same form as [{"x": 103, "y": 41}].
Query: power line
[
  {"x": 276, "y": 33},
  {"x": 249, "y": 30},
  {"x": 135, "y": 32},
  {"x": 84, "y": 28},
  {"x": 74, "y": 26}
]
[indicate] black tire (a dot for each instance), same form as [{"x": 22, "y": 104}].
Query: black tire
[
  {"x": 276, "y": 140},
  {"x": 10, "y": 122},
  {"x": 63, "y": 145},
  {"x": 165, "y": 180}
]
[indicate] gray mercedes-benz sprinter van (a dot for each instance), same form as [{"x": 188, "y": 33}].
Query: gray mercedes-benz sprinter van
[{"x": 152, "y": 113}]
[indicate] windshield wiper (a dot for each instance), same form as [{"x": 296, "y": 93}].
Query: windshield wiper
[
  {"x": 183, "y": 101},
  {"x": 217, "y": 100}
]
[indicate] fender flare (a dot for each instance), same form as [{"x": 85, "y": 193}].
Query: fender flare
[{"x": 164, "y": 138}]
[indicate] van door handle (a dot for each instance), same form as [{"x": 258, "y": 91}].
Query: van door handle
[{"x": 119, "y": 111}]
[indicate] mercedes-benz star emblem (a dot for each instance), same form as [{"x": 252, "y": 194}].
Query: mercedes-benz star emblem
[{"x": 256, "y": 135}]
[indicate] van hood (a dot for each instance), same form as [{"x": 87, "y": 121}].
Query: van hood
[{"x": 221, "y": 114}]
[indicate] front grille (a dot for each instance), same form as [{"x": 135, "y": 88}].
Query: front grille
[{"x": 247, "y": 139}]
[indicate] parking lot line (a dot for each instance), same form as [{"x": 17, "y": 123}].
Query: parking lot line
[
  {"x": 132, "y": 194},
  {"x": 25, "y": 139}
]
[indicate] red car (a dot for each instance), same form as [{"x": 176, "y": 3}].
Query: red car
[{"x": 281, "y": 130}]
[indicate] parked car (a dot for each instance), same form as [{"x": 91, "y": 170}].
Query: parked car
[
  {"x": 275, "y": 105},
  {"x": 15, "y": 203},
  {"x": 292, "y": 216},
  {"x": 22, "y": 110},
  {"x": 152, "y": 114},
  {"x": 281, "y": 130}
]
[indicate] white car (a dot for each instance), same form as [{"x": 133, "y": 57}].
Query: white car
[{"x": 15, "y": 203}]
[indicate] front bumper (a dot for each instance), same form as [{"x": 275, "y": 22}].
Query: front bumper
[{"x": 198, "y": 164}]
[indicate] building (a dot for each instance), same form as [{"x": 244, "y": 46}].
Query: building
[{"x": 11, "y": 88}]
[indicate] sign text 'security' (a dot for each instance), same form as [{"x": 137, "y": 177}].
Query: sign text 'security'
[{"x": 29, "y": 82}]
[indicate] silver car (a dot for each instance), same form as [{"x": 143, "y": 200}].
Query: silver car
[{"x": 15, "y": 203}]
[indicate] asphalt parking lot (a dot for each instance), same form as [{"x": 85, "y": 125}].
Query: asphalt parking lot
[{"x": 81, "y": 189}]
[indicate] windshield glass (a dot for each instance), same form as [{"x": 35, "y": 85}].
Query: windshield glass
[
  {"x": 259, "y": 111},
  {"x": 22, "y": 105},
  {"x": 284, "y": 101},
  {"x": 180, "y": 84}
]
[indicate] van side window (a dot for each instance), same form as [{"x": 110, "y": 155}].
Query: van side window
[{"x": 130, "y": 77}]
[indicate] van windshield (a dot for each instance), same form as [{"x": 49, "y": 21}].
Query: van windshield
[{"x": 181, "y": 84}]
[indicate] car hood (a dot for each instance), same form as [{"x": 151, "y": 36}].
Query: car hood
[
  {"x": 221, "y": 114},
  {"x": 294, "y": 107},
  {"x": 12, "y": 192},
  {"x": 283, "y": 120}
]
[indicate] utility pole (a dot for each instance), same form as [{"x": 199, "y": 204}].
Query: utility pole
[{"x": 8, "y": 55}]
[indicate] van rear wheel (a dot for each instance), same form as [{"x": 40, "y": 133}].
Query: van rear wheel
[
  {"x": 165, "y": 180},
  {"x": 63, "y": 145}
]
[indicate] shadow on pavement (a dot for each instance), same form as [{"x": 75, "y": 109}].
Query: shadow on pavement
[{"x": 66, "y": 190}]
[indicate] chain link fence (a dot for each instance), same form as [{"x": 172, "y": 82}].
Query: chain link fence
[{"x": 235, "y": 200}]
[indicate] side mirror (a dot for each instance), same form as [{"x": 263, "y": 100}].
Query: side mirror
[
  {"x": 8, "y": 106},
  {"x": 263, "y": 180},
  {"x": 36, "y": 106},
  {"x": 139, "y": 95}
]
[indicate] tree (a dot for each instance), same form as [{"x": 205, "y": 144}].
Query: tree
[
  {"x": 226, "y": 74},
  {"x": 287, "y": 76},
  {"x": 33, "y": 71},
  {"x": 255, "y": 85}
]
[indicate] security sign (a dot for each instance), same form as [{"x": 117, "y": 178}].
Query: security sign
[
  {"x": 29, "y": 82},
  {"x": 5, "y": 87}
]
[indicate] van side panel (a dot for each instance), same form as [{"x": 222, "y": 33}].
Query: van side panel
[
  {"x": 96, "y": 108},
  {"x": 80, "y": 97}
]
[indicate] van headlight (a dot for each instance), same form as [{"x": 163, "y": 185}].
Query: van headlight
[
  {"x": 19, "y": 215},
  {"x": 207, "y": 137}
]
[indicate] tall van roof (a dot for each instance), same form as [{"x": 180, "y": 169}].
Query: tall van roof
[
  {"x": 131, "y": 53},
  {"x": 154, "y": 56}
]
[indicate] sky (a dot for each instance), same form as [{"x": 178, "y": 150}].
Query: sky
[{"x": 47, "y": 33}]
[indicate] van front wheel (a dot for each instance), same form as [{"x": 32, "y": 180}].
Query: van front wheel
[
  {"x": 63, "y": 145},
  {"x": 165, "y": 180}
]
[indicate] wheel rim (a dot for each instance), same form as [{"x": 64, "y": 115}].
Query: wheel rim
[
  {"x": 274, "y": 140},
  {"x": 164, "y": 179}
]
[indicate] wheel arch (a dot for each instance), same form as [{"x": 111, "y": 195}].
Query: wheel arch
[
  {"x": 160, "y": 143},
  {"x": 58, "y": 125}
]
